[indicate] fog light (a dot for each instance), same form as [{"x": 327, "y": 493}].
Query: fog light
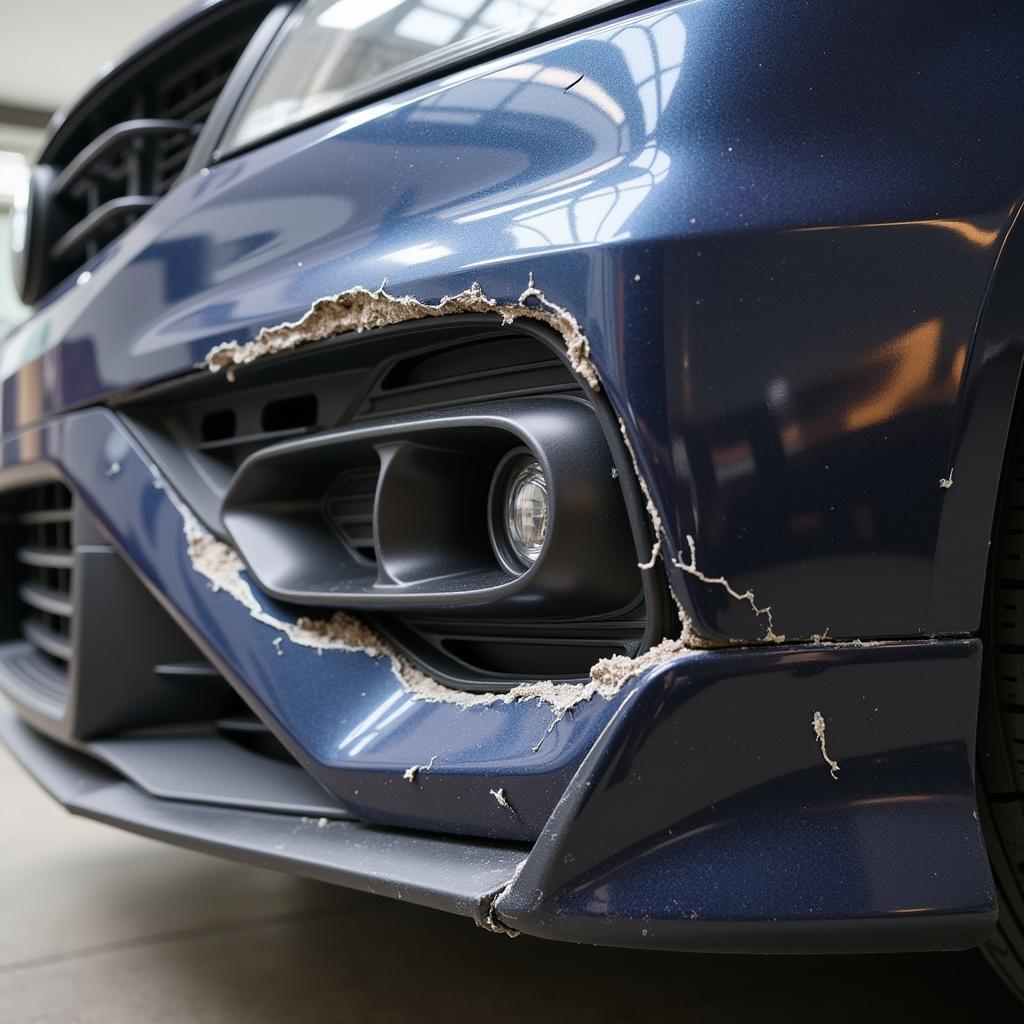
[{"x": 520, "y": 511}]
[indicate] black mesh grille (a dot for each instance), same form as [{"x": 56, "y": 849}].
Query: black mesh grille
[
  {"x": 133, "y": 146},
  {"x": 36, "y": 570},
  {"x": 188, "y": 94},
  {"x": 45, "y": 567}
]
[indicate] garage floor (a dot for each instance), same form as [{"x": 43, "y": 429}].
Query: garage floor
[{"x": 104, "y": 927}]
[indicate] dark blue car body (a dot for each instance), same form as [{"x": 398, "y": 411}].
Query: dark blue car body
[{"x": 788, "y": 233}]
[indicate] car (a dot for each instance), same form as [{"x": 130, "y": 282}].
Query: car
[{"x": 553, "y": 462}]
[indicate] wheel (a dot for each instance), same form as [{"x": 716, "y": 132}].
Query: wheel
[{"x": 1001, "y": 720}]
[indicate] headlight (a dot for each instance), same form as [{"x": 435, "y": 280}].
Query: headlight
[{"x": 333, "y": 52}]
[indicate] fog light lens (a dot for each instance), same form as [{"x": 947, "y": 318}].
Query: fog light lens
[{"x": 526, "y": 512}]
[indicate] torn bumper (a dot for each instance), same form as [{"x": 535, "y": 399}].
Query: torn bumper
[
  {"x": 693, "y": 809},
  {"x": 704, "y": 817}
]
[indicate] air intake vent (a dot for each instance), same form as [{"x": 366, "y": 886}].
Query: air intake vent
[
  {"x": 46, "y": 562},
  {"x": 350, "y": 509},
  {"x": 334, "y": 443},
  {"x": 36, "y": 568}
]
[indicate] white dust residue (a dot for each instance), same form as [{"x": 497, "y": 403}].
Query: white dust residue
[
  {"x": 502, "y": 797},
  {"x": 358, "y": 309},
  {"x": 222, "y": 566},
  {"x": 690, "y": 568},
  {"x": 412, "y": 771},
  {"x": 818, "y": 724}
]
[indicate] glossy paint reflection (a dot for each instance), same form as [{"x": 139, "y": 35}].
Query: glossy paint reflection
[
  {"x": 706, "y": 809},
  {"x": 777, "y": 228}
]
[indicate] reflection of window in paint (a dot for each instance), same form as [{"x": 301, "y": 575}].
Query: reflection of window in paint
[
  {"x": 577, "y": 209},
  {"x": 376, "y": 723}
]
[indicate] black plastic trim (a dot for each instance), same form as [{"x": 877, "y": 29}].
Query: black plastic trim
[
  {"x": 206, "y": 768},
  {"x": 457, "y": 875},
  {"x": 431, "y": 514},
  {"x": 393, "y": 375},
  {"x": 87, "y": 227},
  {"x": 113, "y": 138},
  {"x": 32, "y": 262}
]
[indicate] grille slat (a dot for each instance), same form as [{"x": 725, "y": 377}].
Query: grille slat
[
  {"x": 45, "y": 599},
  {"x": 43, "y": 563},
  {"x": 45, "y": 516},
  {"x": 34, "y": 678},
  {"x": 46, "y": 558},
  {"x": 135, "y": 144},
  {"x": 46, "y": 639}
]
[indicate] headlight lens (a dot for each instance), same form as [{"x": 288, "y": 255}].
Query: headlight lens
[
  {"x": 332, "y": 52},
  {"x": 526, "y": 512}
]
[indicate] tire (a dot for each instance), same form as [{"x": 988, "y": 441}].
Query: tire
[{"x": 1001, "y": 721}]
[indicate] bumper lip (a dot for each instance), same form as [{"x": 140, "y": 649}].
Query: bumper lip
[{"x": 456, "y": 875}]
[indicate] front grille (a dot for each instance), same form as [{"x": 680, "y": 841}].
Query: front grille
[
  {"x": 45, "y": 568},
  {"x": 85, "y": 651},
  {"x": 36, "y": 572},
  {"x": 119, "y": 175},
  {"x": 123, "y": 148},
  {"x": 187, "y": 95},
  {"x": 201, "y": 431}
]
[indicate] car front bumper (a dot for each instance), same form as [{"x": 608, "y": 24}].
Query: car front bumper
[{"x": 695, "y": 809}]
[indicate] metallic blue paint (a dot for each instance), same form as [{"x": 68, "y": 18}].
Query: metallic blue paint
[
  {"x": 779, "y": 226},
  {"x": 789, "y": 218},
  {"x": 702, "y": 819}
]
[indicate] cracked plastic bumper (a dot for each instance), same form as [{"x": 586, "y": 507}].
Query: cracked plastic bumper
[{"x": 703, "y": 818}]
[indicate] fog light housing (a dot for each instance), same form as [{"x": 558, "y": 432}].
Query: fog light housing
[{"x": 520, "y": 510}]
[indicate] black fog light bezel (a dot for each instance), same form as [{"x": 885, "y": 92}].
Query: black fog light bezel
[
  {"x": 414, "y": 374},
  {"x": 432, "y": 512}
]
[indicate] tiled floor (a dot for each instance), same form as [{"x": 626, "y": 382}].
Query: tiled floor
[{"x": 105, "y": 927}]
